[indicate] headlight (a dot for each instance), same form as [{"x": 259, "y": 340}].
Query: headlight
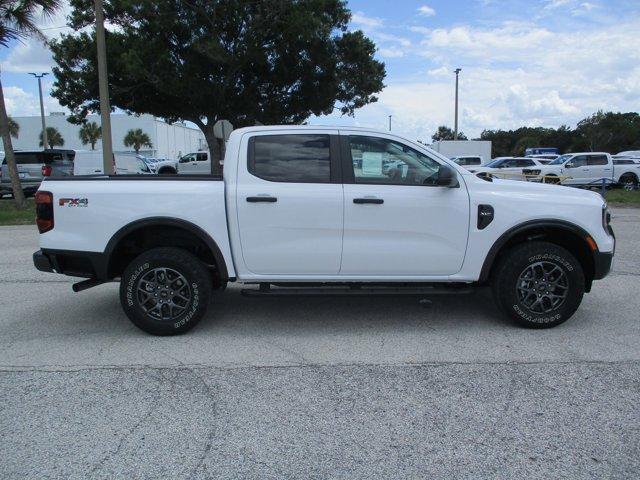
[{"x": 606, "y": 218}]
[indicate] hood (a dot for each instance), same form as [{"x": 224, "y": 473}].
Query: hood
[{"x": 544, "y": 193}]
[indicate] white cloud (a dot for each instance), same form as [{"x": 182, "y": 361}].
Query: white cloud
[
  {"x": 31, "y": 56},
  {"x": 361, "y": 20},
  {"x": 440, "y": 72},
  {"x": 426, "y": 10},
  {"x": 21, "y": 103},
  {"x": 391, "y": 52}
]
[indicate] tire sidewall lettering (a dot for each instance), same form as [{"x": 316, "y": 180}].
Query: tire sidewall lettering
[
  {"x": 132, "y": 280},
  {"x": 194, "y": 307}
]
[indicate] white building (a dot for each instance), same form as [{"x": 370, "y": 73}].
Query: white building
[{"x": 169, "y": 140}]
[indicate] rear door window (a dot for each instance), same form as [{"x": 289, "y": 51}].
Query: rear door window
[
  {"x": 291, "y": 158},
  {"x": 597, "y": 160},
  {"x": 29, "y": 158}
]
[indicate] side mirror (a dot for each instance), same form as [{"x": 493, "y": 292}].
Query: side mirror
[
  {"x": 446, "y": 177},
  {"x": 568, "y": 165}
]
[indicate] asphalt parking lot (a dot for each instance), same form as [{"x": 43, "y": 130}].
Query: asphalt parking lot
[{"x": 317, "y": 388}]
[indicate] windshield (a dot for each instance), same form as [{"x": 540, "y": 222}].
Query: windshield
[
  {"x": 495, "y": 163},
  {"x": 560, "y": 160}
]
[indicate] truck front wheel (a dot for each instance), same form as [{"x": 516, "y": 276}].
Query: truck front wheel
[
  {"x": 165, "y": 291},
  {"x": 538, "y": 284}
]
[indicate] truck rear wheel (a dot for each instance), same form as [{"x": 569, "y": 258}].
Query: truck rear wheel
[
  {"x": 165, "y": 291},
  {"x": 538, "y": 284}
]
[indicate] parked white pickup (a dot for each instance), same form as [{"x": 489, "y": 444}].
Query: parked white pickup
[
  {"x": 588, "y": 168},
  {"x": 324, "y": 210}
]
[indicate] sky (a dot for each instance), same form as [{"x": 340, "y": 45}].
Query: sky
[{"x": 524, "y": 62}]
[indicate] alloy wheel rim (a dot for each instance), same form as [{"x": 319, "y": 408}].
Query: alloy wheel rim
[
  {"x": 163, "y": 294},
  {"x": 543, "y": 287}
]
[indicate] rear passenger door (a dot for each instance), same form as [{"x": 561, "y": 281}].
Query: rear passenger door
[
  {"x": 599, "y": 168},
  {"x": 289, "y": 201}
]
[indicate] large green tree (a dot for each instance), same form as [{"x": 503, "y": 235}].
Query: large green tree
[
  {"x": 54, "y": 138},
  {"x": 137, "y": 139},
  {"x": 247, "y": 61},
  {"x": 446, "y": 133},
  {"x": 90, "y": 133},
  {"x": 18, "y": 21},
  {"x": 608, "y": 132}
]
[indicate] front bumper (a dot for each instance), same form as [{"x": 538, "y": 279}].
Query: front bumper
[{"x": 602, "y": 264}]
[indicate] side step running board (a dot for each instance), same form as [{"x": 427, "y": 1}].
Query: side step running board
[{"x": 266, "y": 291}]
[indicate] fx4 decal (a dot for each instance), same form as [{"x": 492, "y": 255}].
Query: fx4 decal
[{"x": 73, "y": 202}]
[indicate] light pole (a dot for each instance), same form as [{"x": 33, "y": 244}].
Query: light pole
[
  {"x": 390, "y": 122},
  {"x": 103, "y": 87},
  {"x": 45, "y": 142},
  {"x": 455, "y": 131}
]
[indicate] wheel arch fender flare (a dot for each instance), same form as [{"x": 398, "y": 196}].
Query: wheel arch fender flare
[
  {"x": 521, "y": 228},
  {"x": 169, "y": 222}
]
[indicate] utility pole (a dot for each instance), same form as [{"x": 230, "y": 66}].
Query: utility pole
[
  {"x": 45, "y": 142},
  {"x": 103, "y": 87},
  {"x": 390, "y": 122},
  {"x": 455, "y": 131}
]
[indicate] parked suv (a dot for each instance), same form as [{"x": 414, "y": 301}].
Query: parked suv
[{"x": 34, "y": 164}]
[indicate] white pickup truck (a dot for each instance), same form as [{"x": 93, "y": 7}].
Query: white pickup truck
[
  {"x": 588, "y": 168},
  {"x": 318, "y": 210}
]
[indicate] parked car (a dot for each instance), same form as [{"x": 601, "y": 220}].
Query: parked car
[
  {"x": 90, "y": 162},
  {"x": 541, "y": 151},
  {"x": 507, "y": 168},
  {"x": 468, "y": 161},
  {"x": 292, "y": 215},
  {"x": 161, "y": 166},
  {"x": 629, "y": 153},
  {"x": 588, "y": 168},
  {"x": 33, "y": 165},
  {"x": 198, "y": 163}
]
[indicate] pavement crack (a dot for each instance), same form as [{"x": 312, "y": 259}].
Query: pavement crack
[{"x": 114, "y": 452}]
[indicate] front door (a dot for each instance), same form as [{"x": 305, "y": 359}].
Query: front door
[
  {"x": 578, "y": 171},
  {"x": 289, "y": 203},
  {"x": 397, "y": 221}
]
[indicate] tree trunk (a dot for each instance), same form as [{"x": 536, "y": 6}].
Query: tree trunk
[
  {"x": 18, "y": 195},
  {"x": 214, "y": 149}
]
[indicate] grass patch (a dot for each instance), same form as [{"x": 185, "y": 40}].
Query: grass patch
[
  {"x": 617, "y": 196},
  {"x": 9, "y": 215}
]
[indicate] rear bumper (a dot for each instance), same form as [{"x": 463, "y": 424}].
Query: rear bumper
[
  {"x": 72, "y": 263},
  {"x": 42, "y": 262}
]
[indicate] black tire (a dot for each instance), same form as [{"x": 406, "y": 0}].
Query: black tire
[
  {"x": 532, "y": 303},
  {"x": 167, "y": 171},
  {"x": 629, "y": 181},
  {"x": 551, "y": 179},
  {"x": 179, "y": 296}
]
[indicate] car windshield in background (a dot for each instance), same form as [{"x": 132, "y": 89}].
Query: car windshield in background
[
  {"x": 495, "y": 163},
  {"x": 560, "y": 160}
]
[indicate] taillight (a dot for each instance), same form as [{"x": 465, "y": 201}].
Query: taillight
[
  {"x": 44, "y": 211},
  {"x": 46, "y": 170}
]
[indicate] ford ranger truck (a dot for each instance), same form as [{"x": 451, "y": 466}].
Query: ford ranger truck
[{"x": 306, "y": 210}]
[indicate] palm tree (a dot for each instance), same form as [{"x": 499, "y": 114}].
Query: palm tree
[
  {"x": 136, "y": 139},
  {"x": 18, "y": 22},
  {"x": 54, "y": 138},
  {"x": 14, "y": 127},
  {"x": 90, "y": 133}
]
